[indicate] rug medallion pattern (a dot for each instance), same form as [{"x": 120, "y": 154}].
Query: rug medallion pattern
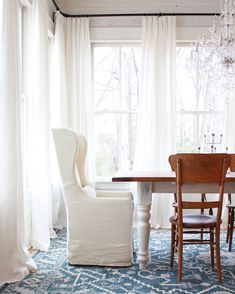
[{"x": 56, "y": 276}]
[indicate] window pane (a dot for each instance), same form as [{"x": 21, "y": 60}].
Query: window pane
[
  {"x": 116, "y": 77},
  {"x": 187, "y": 133},
  {"x": 200, "y": 105},
  {"x": 106, "y": 78},
  {"x": 114, "y": 142},
  {"x": 196, "y": 88},
  {"x": 130, "y": 77},
  {"x": 116, "y": 96},
  {"x": 185, "y": 86}
]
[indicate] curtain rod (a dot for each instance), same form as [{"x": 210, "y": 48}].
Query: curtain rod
[
  {"x": 138, "y": 14},
  {"x": 56, "y": 5},
  {"x": 132, "y": 14}
]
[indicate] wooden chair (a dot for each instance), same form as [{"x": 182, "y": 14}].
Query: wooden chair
[
  {"x": 231, "y": 210},
  {"x": 198, "y": 169},
  {"x": 174, "y": 204}
]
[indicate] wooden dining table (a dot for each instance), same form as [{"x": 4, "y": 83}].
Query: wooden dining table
[{"x": 159, "y": 182}]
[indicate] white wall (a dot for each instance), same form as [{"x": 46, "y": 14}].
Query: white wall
[{"x": 130, "y": 28}]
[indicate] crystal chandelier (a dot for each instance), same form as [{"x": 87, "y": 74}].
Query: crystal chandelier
[{"x": 214, "y": 57}]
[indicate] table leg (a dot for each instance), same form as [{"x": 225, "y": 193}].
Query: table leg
[{"x": 144, "y": 199}]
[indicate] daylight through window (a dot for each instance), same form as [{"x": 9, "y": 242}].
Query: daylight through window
[
  {"x": 200, "y": 109},
  {"x": 116, "y": 95}
]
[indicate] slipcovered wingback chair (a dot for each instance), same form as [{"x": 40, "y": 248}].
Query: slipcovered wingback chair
[{"x": 99, "y": 228}]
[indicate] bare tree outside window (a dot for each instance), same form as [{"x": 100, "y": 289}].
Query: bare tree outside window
[
  {"x": 200, "y": 105},
  {"x": 116, "y": 96},
  {"x": 200, "y": 109}
]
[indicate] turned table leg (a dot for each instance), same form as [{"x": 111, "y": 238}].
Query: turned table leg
[{"x": 144, "y": 199}]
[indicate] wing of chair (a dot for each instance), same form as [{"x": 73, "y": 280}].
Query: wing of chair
[
  {"x": 99, "y": 228},
  {"x": 80, "y": 163}
]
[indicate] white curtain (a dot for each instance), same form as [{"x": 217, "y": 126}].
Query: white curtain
[
  {"x": 36, "y": 88},
  {"x": 71, "y": 94},
  {"x": 72, "y": 80},
  {"x": 230, "y": 143},
  {"x": 156, "y": 122},
  {"x": 229, "y": 126},
  {"x": 15, "y": 261}
]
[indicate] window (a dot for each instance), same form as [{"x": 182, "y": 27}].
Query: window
[
  {"x": 200, "y": 107},
  {"x": 116, "y": 95}
]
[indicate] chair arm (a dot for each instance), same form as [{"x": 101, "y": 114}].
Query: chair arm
[
  {"x": 114, "y": 194},
  {"x": 100, "y": 207}
]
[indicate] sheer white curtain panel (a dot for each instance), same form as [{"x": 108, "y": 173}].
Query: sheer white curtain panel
[
  {"x": 229, "y": 125},
  {"x": 71, "y": 93},
  {"x": 156, "y": 121},
  {"x": 72, "y": 80},
  {"x": 15, "y": 259},
  {"x": 36, "y": 88},
  {"x": 230, "y": 143}
]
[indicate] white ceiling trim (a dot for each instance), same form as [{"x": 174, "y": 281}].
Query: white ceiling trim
[{"x": 138, "y": 6}]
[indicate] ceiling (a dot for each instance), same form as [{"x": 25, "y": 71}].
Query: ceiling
[{"x": 137, "y": 6}]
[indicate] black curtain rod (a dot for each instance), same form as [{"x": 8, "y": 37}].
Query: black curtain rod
[
  {"x": 137, "y": 14},
  {"x": 56, "y": 5},
  {"x": 132, "y": 14}
]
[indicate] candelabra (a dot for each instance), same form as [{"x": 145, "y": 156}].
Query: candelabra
[{"x": 212, "y": 141}]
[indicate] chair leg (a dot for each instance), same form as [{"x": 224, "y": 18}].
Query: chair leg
[
  {"x": 212, "y": 247},
  {"x": 231, "y": 225},
  {"x": 201, "y": 234},
  {"x": 172, "y": 245},
  {"x": 217, "y": 249},
  {"x": 203, "y": 199},
  {"x": 228, "y": 225},
  {"x": 180, "y": 255},
  {"x": 177, "y": 240}
]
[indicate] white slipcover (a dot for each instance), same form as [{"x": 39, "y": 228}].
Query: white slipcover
[{"x": 99, "y": 228}]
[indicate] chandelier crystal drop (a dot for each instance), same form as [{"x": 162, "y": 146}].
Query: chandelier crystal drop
[{"x": 214, "y": 57}]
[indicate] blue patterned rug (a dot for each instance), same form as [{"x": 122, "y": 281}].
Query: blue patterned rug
[{"x": 56, "y": 276}]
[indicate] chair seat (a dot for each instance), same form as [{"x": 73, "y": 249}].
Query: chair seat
[
  {"x": 196, "y": 220},
  {"x": 230, "y": 206}
]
